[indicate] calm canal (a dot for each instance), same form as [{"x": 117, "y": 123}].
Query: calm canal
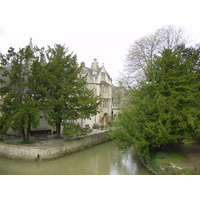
[{"x": 104, "y": 159}]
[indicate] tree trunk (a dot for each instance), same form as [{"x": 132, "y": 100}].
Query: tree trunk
[
  {"x": 28, "y": 132},
  {"x": 23, "y": 134},
  {"x": 58, "y": 128}
]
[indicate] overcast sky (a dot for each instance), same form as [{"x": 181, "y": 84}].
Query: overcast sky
[{"x": 101, "y": 29}]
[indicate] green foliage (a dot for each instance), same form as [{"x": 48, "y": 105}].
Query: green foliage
[
  {"x": 73, "y": 129},
  {"x": 27, "y": 142},
  {"x": 19, "y": 108},
  {"x": 167, "y": 155},
  {"x": 169, "y": 170},
  {"x": 142, "y": 51},
  {"x": 162, "y": 163},
  {"x": 110, "y": 123},
  {"x": 165, "y": 108},
  {"x": 95, "y": 126},
  {"x": 32, "y": 87},
  {"x": 69, "y": 97}
]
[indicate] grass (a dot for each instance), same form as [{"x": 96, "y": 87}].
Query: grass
[
  {"x": 162, "y": 163},
  {"x": 26, "y": 142},
  {"x": 168, "y": 155}
]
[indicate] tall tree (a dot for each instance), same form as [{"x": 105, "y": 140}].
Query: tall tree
[
  {"x": 69, "y": 97},
  {"x": 164, "y": 108},
  {"x": 19, "y": 110},
  {"x": 142, "y": 51}
]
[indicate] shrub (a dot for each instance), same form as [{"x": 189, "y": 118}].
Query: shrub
[{"x": 95, "y": 126}]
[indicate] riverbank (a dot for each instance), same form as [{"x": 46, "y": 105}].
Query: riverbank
[
  {"x": 50, "y": 148},
  {"x": 180, "y": 160},
  {"x": 102, "y": 159}
]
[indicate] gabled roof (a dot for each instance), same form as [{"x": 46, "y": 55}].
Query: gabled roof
[
  {"x": 104, "y": 83},
  {"x": 91, "y": 70},
  {"x": 88, "y": 70},
  {"x": 98, "y": 70}
]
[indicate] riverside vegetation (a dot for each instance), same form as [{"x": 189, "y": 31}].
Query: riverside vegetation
[
  {"x": 163, "y": 106},
  {"x": 166, "y": 162},
  {"x": 47, "y": 84}
]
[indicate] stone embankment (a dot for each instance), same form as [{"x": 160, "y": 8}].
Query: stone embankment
[{"x": 48, "y": 152}]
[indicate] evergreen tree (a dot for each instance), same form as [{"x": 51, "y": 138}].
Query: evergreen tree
[
  {"x": 19, "y": 109},
  {"x": 165, "y": 107},
  {"x": 69, "y": 98}
]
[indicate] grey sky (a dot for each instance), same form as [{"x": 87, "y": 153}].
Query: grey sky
[{"x": 102, "y": 29}]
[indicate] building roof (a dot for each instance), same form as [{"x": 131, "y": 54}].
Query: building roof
[
  {"x": 91, "y": 70},
  {"x": 98, "y": 71},
  {"x": 104, "y": 83}
]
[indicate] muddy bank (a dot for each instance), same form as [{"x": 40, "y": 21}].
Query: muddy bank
[
  {"x": 191, "y": 154},
  {"x": 180, "y": 160}
]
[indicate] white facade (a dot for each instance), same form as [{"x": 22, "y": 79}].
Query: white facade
[{"x": 99, "y": 80}]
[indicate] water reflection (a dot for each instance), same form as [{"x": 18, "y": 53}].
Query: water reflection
[
  {"x": 99, "y": 160},
  {"x": 126, "y": 164}
]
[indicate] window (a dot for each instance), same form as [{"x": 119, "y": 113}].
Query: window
[
  {"x": 104, "y": 89},
  {"x": 105, "y": 103}
]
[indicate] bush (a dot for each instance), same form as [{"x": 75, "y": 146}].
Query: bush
[{"x": 95, "y": 126}]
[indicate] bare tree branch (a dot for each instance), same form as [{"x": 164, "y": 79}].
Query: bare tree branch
[{"x": 143, "y": 50}]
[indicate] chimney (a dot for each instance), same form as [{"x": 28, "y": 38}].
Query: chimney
[{"x": 95, "y": 65}]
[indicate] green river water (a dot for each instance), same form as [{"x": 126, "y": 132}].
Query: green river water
[{"x": 104, "y": 159}]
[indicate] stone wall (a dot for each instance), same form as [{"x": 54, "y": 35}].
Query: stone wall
[{"x": 19, "y": 152}]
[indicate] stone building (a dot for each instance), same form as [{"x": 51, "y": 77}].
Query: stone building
[{"x": 100, "y": 81}]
